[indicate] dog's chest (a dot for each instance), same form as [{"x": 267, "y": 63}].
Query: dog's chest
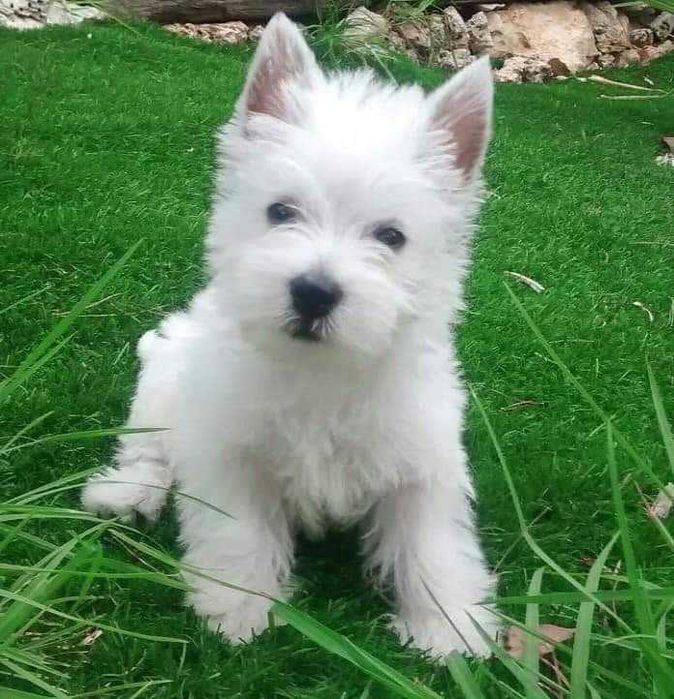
[{"x": 330, "y": 464}]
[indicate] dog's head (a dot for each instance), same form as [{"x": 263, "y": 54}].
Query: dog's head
[{"x": 344, "y": 206}]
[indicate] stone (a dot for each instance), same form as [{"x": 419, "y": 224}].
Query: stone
[
  {"x": 71, "y": 13},
  {"x": 641, "y": 37},
  {"x": 229, "y": 32},
  {"x": 605, "y": 60},
  {"x": 454, "y": 58},
  {"x": 256, "y": 32},
  {"x": 456, "y": 31},
  {"x": 479, "y": 36},
  {"x": 557, "y": 29},
  {"x": 22, "y": 14},
  {"x": 363, "y": 24},
  {"x": 218, "y": 33},
  {"x": 437, "y": 30},
  {"x": 640, "y": 14},
  {"x": 559, "y": 68},
  {"x": 663, "y": 25},
  {"x": 518, "y": 69},
  {"x": 627, "y": 58},
  {"x": 415, "y": 35},
  {"x": 610, "y": 30},
  {"x": 650, "y": 53}
]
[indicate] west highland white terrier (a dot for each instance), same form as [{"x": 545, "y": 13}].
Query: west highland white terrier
[{"x": 314, "y": 380}]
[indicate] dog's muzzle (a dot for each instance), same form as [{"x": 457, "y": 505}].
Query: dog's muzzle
[{"x": 313, "y": 298}]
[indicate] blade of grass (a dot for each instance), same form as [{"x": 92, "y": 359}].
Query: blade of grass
[
  {"x": 662, "y": 593},
  {"x": 341, "y": 646},
  {"x": 44, "y": 350},
  {"x": 70, "y": 617},
  {"x": 9, "y": 693},
  {"x": 663, "y": 676},
  {"x": 521, "y": 673},
  {"x": 638, "y": 459},
  {"x": 32, "y": 678},
  {"x": 663, "y": 422},
  {"x": 531, "y": 542},
  {"x": 531, "y": 657},
  {"x": 83, "y": 435},
  {"x": 581, "y": 644},
  {"x": 458, "y": 668}
]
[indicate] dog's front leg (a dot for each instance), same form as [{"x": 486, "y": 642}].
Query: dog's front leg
[
  {"x": 248, "y": 547},
  {"x": 424, "y": 541}
]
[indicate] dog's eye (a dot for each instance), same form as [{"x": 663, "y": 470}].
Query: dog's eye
[
  {"x": 278, "y": 213},
  {"x": 390, "y": 236}
]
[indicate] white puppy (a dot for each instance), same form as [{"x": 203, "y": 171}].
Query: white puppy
[{"x": 313, "y": 380}]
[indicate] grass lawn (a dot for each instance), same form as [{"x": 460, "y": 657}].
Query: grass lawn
[{"x": 106, "y": 138}]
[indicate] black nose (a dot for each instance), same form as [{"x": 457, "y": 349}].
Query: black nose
[{"x": 314, "y": 296}]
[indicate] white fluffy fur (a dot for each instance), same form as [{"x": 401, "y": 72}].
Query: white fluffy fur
[{"x": 365, "y": 424}]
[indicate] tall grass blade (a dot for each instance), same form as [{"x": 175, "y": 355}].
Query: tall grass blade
[
  {"x": 458, "y": 668},
  {"x": 44, "y": 350},
  {"x": 531, "y": 657},
  {"x": 638, "y": 459},
  {"x": 663, "y": 675},
  {"x": 341, "y": 646},
  {"x": 581, "y": 644},
  {"x": 526, "y": 535},
  {"x": 663, "y": 422}
]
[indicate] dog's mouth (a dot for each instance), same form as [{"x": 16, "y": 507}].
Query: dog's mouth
[{"x": 307, "y": 330}]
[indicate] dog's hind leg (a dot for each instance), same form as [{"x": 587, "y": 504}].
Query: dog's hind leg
[{"x": 139, "y": 479}]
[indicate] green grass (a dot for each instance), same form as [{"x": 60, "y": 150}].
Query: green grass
[{"x": 107, "y": 139}]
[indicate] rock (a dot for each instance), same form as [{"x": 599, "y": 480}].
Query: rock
[
  {"x": 640, "y": 14},
  {"x": 663, "y": 25},
  {"x": 256, "y": 32},
  {"x": 479, "y": 36},
  {"x": 454, "y": 59},
  {"x": 22, "y": 14},
  {"x": 363, "y": 24},
  {"x": 605, "y": 60},
  {"x": 33, "y": 14},
  {"x": 558, "y": 67},
  {"x": 557, "y": 29},
  {"x": 520, "y": 69},
  {"x": 71, "y": 13},
  {"x": 641, "y": 37},
  {"x": 650, "y": 53},
  {"x": 415, "y": 35},
  {"x": 610, "y": 30},
  {"x": 437, "y": 31},
  {"x": 457, "y": 33},
  {"x": 229, "y": 32},
  {"x": 627, "y": 58},
  {"x": 218, "y": 33}
]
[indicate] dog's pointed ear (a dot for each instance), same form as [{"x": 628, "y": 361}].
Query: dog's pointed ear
[
  {"x": 460, "y": 117},
  {"x": 282, "y": 58}
]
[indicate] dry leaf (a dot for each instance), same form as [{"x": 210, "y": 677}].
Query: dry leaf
[
  {"x": 521, "y": 404},
  {"x": 662, "y": 505},
  {"x": 531, "y": 283},
  {"x": 605, "y": 81},
  {"x": 646, "y": 310},
  {"x": 516, "y": 639},
  {"x": 91, "y": 637}
]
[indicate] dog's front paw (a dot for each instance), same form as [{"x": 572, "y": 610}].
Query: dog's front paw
[
  {"x": 125, "y": 492},
  {"x": 432, "y": 631},
  {"x": 237, "y": 616}
]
